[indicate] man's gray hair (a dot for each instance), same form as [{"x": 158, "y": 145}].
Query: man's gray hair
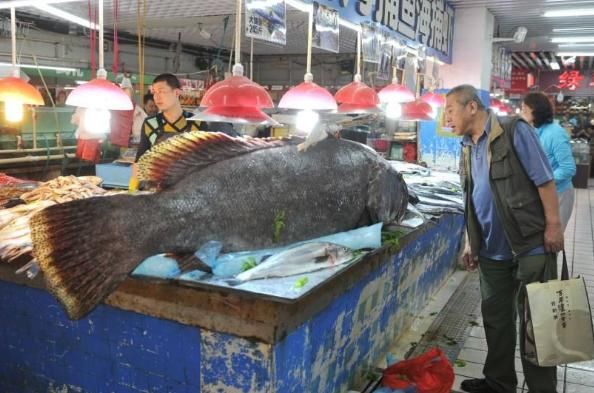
[{"x": 466, "y": 94}]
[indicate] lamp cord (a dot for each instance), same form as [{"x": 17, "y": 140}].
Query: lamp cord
[
  {"x": 101, "y": 58},
  {"x": 13, "y": 36},
  {"x": 116, "y": 46},
  {"x": 309, "y": 39},
  {"x": 358, "y": 53},
  {"x": 238, "y": 33}
]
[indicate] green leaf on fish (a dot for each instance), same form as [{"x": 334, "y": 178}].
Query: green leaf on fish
[
  {"x": 460, "y": 363},
  {"x": 473, "y": 323},
  {"x": 279, "y": 225},
  {"x": 300, "y": 283},
  {"x": 248, "y": 264},
  {"x": 392, "y": 239}
]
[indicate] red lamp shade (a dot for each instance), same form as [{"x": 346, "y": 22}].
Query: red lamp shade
[
  {"x": 308, "y": 95},
  {"x": 417, "y": 110},
  {"x": 16, "y": 89},
  {"x": 100, "y": 93},
  {"x": 235, "y": 114},
  {"x": 433, "y": 99},
  {"x": 396, "y": 93},
  {"x": 357, "y": 97},
  {"x": 238, "y": 92}
]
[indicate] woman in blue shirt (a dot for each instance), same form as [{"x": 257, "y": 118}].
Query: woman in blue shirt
[{"x": 538, "y": 111}]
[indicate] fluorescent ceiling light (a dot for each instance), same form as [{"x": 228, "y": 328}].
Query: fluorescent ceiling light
[
  {"x": 555, "y": 66},
  {"x": 591, "y": 53},
  {"x": 41, "y": 67},
  {"x": 573, "y": 39},
  {"x": 569, "y": 12},
  {"x": 576, "y": 45},
  {"x": 66, "y": 15},
  {"x": 31, "y": 3},
  {"x": 262, "y": 4},
  {"x": 573, "y": 29}
]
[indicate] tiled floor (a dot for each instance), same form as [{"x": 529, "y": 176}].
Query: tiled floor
[{"x": 579, "y": 245}]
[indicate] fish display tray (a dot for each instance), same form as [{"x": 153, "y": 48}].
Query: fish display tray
[{"x": 115, "y": 174}]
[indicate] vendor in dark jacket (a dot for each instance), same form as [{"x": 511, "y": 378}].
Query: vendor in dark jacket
[
  {"x": 513, "y": 230},
  {"x": 171, "y": 119}
]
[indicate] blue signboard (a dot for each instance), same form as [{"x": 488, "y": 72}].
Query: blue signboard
[{"x": 428, "y": 22}]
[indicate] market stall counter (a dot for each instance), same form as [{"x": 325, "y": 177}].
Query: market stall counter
[{"x": 168, "y": 335}]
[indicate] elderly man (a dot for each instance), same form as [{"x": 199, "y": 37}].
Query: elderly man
[{"x": 512, "y": 226}]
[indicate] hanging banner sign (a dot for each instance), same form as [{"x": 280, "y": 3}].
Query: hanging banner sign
[
  {"x": 370, "y": 44},
  {"x": 384, "y": 68},
  {"x": 325, "y": 27},
  {"x": 266, "y": 20},
  {"x": 427, "y": 22}
]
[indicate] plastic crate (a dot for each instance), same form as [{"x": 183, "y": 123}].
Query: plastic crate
[{"x": 114, "y": 175}]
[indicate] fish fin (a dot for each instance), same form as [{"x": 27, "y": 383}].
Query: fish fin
[
  {"x": 85, "y": 249},
  {"x": 188, "y": 262},
  {"x": 169, "y": 161}
]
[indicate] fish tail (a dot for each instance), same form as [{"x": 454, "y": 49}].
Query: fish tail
[{"x": 86, "y": 248}]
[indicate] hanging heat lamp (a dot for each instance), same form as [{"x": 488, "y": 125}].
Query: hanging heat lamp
[
  {"x": 416, "y": 111},
  {"x": 394, "y": 95},
  {"x": 99, "y": 95},
  {"x": 236, "y": 99},
  {"x": 14, "y": 91},
  {"x": 357, "y": 97},
  {"x": 308, "y": 97},
  {"x": 435, "y": 100}
]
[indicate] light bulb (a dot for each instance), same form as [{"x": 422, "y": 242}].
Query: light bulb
[
  {"x": 306, "y": 120},
  {"x": 14, "y": 111},
  {"x": 394, "y": 110},
  {"x": 434, "y": 111},
  {"x": 96, "y": 121}
]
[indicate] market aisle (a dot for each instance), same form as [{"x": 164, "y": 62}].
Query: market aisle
[{"x": 579, "y": 244}]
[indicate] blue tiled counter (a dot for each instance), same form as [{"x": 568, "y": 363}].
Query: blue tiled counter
[{"x": 167, "y": 337}]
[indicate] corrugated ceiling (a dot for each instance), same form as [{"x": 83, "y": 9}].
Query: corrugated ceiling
[{"x": 166, "y": 18}]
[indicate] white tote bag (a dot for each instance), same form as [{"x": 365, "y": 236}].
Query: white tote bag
[{"x": 558, "y": 321}]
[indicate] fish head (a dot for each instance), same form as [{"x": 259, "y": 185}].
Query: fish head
[{"x": 337, "y": 253}]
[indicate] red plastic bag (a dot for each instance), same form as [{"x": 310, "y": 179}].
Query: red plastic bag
[{"x": 431, "y": 372}]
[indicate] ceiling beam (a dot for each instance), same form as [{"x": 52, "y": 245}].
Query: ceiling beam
[
  {"x": 516, "y": 55},
  {"x": 543, "y": 57},
  {"x": 527, "y": 59}
]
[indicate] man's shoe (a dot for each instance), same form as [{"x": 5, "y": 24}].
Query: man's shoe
[{"x": 476, "y": 385}]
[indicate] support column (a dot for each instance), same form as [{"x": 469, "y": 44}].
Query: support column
[{"x": 471, "y": 51}]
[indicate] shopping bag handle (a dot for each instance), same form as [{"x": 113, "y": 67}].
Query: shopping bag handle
[{"x": 564, "y": 269}]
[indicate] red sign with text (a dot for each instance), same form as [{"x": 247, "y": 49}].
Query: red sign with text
[
  {"x": 570, "y": 80},
  {"x": 521, "y": 81}
]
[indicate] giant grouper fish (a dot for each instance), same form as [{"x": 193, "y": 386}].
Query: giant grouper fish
[{"x": 247, "y": 193}]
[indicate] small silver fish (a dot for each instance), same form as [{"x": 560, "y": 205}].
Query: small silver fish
[{"x": 305, "y": 258}]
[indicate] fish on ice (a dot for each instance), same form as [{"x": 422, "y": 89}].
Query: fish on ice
[
  {"x": 305, "y": 258},
  {"x": 247, "y": 193}
]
